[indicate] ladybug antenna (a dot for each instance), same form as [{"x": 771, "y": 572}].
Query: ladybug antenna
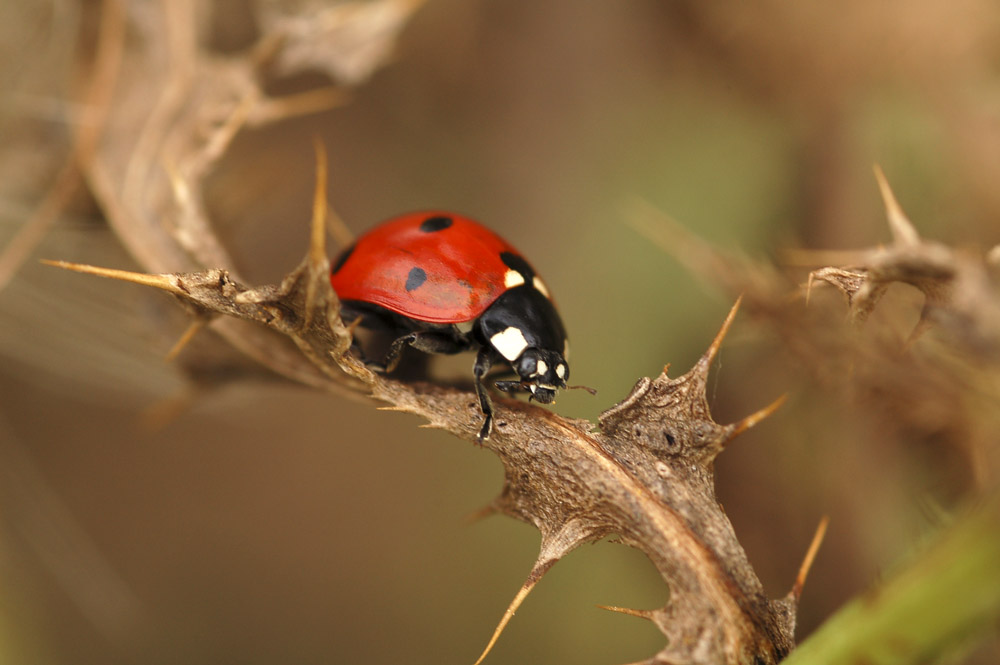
[{"x": 592, "y": 391}]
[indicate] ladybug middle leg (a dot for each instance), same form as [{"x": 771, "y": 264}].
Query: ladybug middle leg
[{"x": 428, "y": 341}]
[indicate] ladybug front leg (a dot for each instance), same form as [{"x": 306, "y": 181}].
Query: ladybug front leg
[
  {"x": 511, "y": 386},
  {"x": 484, "y": 360}
]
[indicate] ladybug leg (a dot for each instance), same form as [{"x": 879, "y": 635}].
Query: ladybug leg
[
  {"x": 510, "y": 386},
  {"x": 483, "y": 362},
  {"x": 395, "y": 352},
  {"x": 422, "y": 340}
]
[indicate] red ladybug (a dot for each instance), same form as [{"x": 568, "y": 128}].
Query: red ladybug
[{"x": 444, "y": 284}]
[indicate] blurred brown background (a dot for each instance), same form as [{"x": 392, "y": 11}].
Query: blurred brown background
[{"x": 271, "y": 524}]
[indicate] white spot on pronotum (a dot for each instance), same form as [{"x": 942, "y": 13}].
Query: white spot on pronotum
[
  {"x": 540, "y": 285},
  {"x": 464, "y": 327},
  {"x": 542, "y": 368},
  {"x": 561, "y": 371},
  {"x": 510, "y": 343},
  {"x": 513, "y": 278}
]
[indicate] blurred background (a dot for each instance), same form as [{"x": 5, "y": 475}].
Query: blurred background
[{"x": 153, "y": 513}]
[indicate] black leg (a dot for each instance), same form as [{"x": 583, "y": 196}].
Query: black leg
[
  {"x": 510, "y": 386},
  {"x": 428, "y": 342},
  {"x": 483, "y": 362},
  {"x": 395, "y": 353}
]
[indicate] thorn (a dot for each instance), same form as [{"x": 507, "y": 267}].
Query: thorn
[
  {"x": 713, "y": 349},
  {"x": 157, "y": 416},
  {"x": 534, "y": 576},
  {"x": 899, "y": 224},
  {"x": 488, "y": 510},
  {"x": 188, "y": 335},
  {"x": 324, "y": 218},
  {"x": 162, "y": 281},
  {"x": 339, "y": 229},
  {"x": 316, "y": 265},
  {"x": 642, "y": 614},
  {"x": 395, "y": 407},
  {"x": 353, "y": 325},
  {"x": 754, "y": 418},
  {"x": 807, "y": 562},
  {"x": 317, "y": 240}
]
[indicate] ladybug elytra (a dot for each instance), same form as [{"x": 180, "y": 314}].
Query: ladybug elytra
[{"x": 443, "y": 283}]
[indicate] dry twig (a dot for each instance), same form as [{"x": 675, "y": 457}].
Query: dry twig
[{"x": 646, "y": 476}]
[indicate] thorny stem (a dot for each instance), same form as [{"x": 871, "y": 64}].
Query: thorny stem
[
  {"x": 717, "y": 612},
  {"x": 647, "y": 475},
  {"x": 807, "y": 561}
]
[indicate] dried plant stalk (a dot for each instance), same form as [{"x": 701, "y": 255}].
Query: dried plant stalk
[{"x": 646, "y": 475}]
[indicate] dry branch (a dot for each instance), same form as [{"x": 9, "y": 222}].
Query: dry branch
[{"x": 646, "y": 475}]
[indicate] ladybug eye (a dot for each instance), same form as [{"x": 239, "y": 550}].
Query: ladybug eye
[{"x": 527, "y": 366}]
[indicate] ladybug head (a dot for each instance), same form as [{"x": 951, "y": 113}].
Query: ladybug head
[{"x": 542, "y": 372}]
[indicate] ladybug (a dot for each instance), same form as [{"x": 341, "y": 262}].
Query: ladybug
[{"x": 443, "y": 283}]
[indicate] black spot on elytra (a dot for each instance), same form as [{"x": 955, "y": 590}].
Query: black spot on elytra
[
  {"x": 432, "y": 224},
  {"x": 515, "y": 262},
  {"x": 416, "y": 277},
  {"x": 341, "y": 260}
]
